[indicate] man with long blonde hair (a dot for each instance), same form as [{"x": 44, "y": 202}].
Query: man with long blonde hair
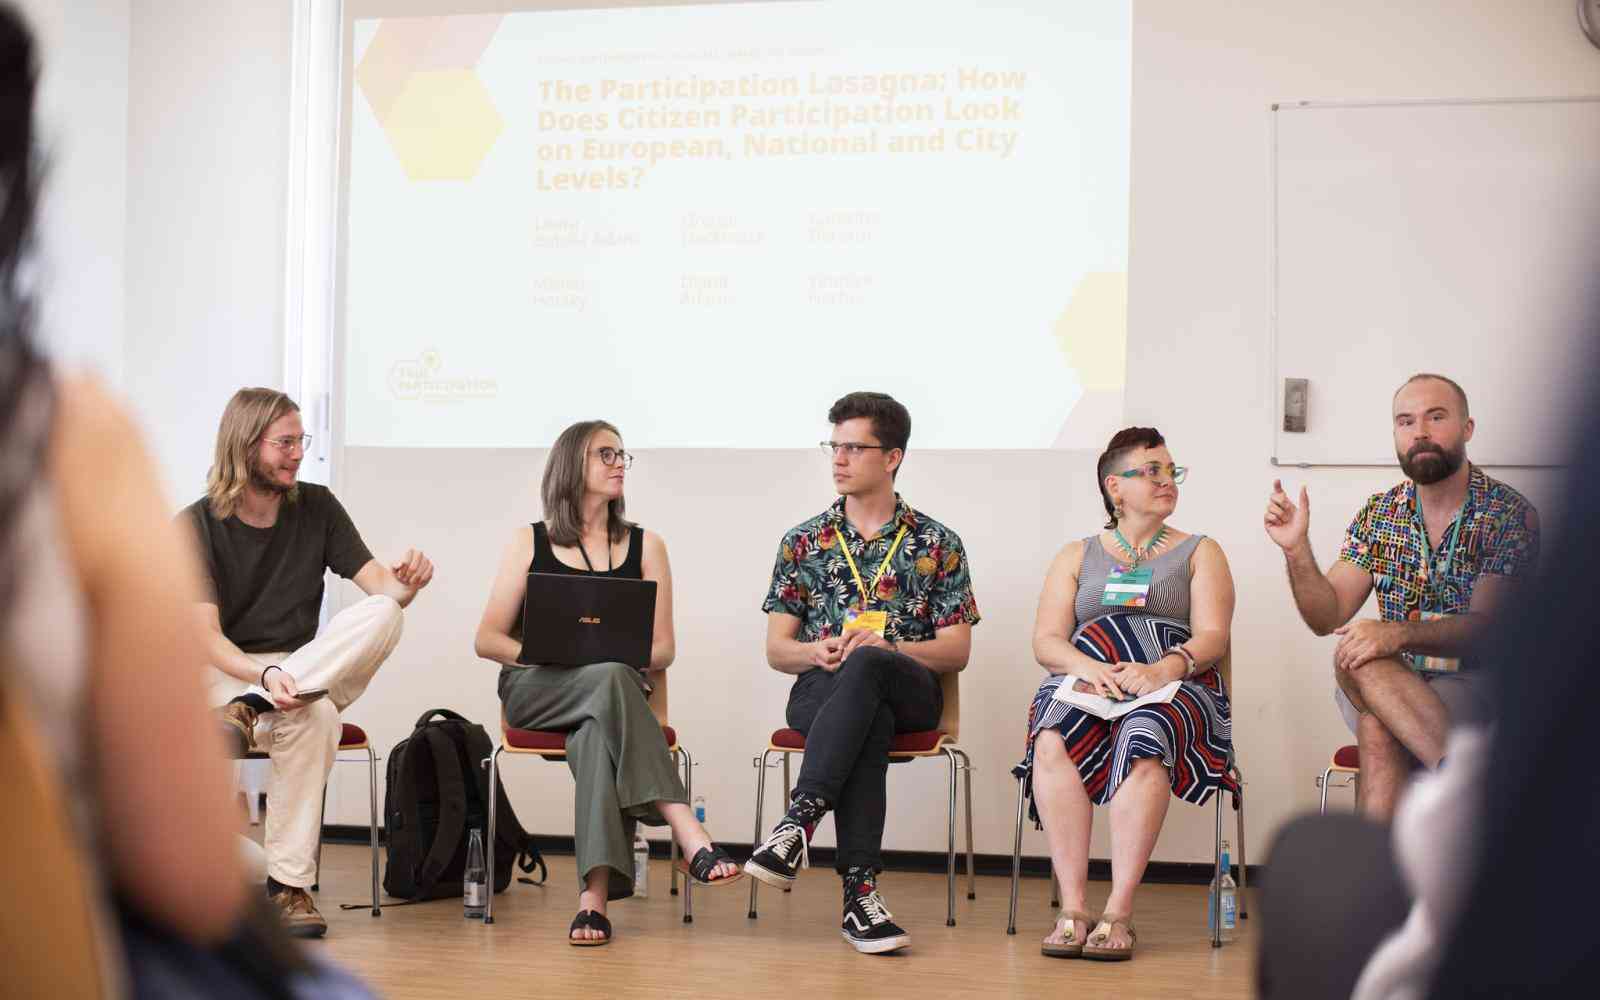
[{"x": 266, "y": 541}]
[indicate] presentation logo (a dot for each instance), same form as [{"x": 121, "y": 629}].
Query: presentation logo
[
  {"x": 423, "y": 379},
  {"x": 419, "y": 76}
]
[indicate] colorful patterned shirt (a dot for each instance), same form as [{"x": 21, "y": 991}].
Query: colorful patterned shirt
[
  {"x": 1496, "y": 533},
  {"x": 926, "y": 586}
]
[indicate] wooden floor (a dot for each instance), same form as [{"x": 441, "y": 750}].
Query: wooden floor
[{"x": 793, "y": 949}]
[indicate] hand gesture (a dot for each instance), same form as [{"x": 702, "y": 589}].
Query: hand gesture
[
  {"x": 828, "y": 653},
  {"x": 1287, "y": 522},
  {"x": 1102, "y": 677},
  {"x": 1138, "y": 679},
  {"x": 1364, "y": 641},
  {"x": 862, "y": 637},
  {"x": 414, "y": 570},
  {"x": 282, "y": 689}
]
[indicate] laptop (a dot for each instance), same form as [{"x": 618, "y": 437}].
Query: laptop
[{"x": 575, "y": 620}]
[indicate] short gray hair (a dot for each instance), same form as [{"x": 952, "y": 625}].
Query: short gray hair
[{"x": 1461, "y": 393}]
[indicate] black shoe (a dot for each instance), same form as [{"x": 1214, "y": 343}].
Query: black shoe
[
  {"x": 783, "y": 855},
  {"x": 868, "y": 924}
]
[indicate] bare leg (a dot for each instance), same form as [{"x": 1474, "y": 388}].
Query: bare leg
[
  {"x": 1403, "y": 702},
  {"x": 593, "y": 897},
  {"x": 1137, "y": 811},
  {"x": 1068, "y": 817},
  {"x": 691, "y": 836},
  {"x": 1385, "y": 768}
]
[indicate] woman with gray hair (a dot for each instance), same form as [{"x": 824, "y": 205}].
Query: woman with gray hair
[{"x": 615, "y": 747}]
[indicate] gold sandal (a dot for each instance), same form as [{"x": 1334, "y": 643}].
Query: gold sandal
[
  {"x": 1069, "y": 923},
  {"x": 1097, "y": 946}
]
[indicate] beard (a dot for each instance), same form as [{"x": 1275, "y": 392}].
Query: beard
[
  {"x": 1427, "y": 463},
  {"x": 262, "y": 479}
]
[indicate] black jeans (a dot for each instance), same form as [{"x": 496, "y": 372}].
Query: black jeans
[{"x": 849, "y": 718}]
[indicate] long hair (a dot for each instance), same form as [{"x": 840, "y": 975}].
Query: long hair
[
  {"x": 248, "y": 415},
  {"x": 27, "y": 395},
  {"x": 561, "y": 489},
  {"x": 1122, "y": 442}
]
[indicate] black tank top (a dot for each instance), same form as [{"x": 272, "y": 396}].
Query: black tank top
[{"x": 545, "y": 561}]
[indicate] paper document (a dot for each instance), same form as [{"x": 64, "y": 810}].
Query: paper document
[{"x": 1104, "y": 708}]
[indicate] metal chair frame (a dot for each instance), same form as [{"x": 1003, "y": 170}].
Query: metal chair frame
[{"x": 1351, "y": 778}]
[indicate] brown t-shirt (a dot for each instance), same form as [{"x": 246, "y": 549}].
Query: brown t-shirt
[{"x": 267, "y": 582}]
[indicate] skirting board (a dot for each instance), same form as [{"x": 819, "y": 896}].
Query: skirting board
[{"x": 1158, "y": 872}]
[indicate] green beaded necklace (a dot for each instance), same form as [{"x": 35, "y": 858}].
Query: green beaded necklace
[{"x": 1137, "y": 554}]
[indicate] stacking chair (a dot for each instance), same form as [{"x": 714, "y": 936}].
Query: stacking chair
[
  {"x": 1225, "y": 668},
  {"x": 552, "y": 745},
  {"x": 1346, "y": 764},
  {"x": 351, "y": 738},
  {"x": 940, "y": 742}
]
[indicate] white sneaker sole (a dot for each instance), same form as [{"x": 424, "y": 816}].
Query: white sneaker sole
[
  {"x": 777, "y": 880},
  {"x": 878, "y": 946}
]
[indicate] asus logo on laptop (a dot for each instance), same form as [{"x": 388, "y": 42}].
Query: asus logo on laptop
[{"x": 588, "y": 621}]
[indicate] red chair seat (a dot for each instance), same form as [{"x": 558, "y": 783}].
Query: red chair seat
[
  {"x": 922, "y": 742},
  {"x": 352, "y": 736},
  {"x": 550, "y": 741},
  {"x": 1349, "y": 756}
]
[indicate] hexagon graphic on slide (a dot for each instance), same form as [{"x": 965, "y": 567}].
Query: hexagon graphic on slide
[
  {"x": 1092, "y": 331},
  {"x": 419, "y": 77}
]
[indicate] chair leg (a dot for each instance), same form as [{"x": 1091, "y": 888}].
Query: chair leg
[
  {"x": 1323, "y": 807},
  {"x": 1016, "y": 863},
  {"x": 322, "y": 819},
  {"x": 372, "y": 801},
  {"x": 972, "y": 878},
  {"x": 493, "y": 763},
  {"x": 688, "y": 792},
  {"x": 760, "y": 763},
  {"x": 672, "y": 842},
  {"x": 1214, "y": 892},
  {"x": 1055, "y": 887},
  {"x": 788, "y": 791},
  {"x": 1244, "y": 876},
  {"x": 950, "y": 855}
]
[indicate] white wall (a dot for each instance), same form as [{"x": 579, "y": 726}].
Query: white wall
[
  {"x": 207, "y": 141},
  {"x": 82, "y": 127},
  {"x": 1203, "y": 78}
]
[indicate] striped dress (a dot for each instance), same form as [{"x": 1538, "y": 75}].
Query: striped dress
[{"x": 1192, "y": 735}]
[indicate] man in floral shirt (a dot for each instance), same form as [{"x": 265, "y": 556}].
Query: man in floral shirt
[
  {"x": 869, "y": 600},
  {"x": 1442, "y": 549}
]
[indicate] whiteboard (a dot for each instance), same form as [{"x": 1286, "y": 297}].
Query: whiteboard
[{"x": 1459, "y": 237}]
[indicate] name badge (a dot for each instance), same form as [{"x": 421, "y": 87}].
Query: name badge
[
  {"x": 865, "y": 621},
  {"x": 1432, "y": 664},
  {"x": 1127, "y": 586}
]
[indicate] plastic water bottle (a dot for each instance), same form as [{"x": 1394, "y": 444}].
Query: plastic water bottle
[
  {"x": 475, "y": 879},
  {"x": 641, "y": 866},
  {"x": 700, "y": 809},
  {"x": 1229, "y": 898}
]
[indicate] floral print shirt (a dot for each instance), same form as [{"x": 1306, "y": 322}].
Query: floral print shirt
[
  {"x": 926, "y": 586},
  {"x": 1496, "y": 533}
]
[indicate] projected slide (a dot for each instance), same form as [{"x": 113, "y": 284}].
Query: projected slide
[{"x": 705, "y": 223}]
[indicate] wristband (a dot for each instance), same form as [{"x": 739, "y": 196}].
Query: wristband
[
  {"x": 1188, "y": 659},
  {"x": 264, "y": 675}
]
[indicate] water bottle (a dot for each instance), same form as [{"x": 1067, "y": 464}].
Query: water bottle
[
  {"x": 1229, "y": 898},
  {"x": 475, "y": 879},
  {"x": 700, "y": 809},
  {"x": 641, "y": 866}
]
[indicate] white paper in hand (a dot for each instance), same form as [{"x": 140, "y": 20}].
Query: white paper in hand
[{"x": 1102, "y": 707}]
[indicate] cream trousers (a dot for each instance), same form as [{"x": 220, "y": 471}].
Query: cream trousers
[{"x": 304, "y": 742}]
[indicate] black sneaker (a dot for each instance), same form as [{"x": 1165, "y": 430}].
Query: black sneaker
[
  {"x": 868, "y": 924},
  {"x": 778, "y": 860}
]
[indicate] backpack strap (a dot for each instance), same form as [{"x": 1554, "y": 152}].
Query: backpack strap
[
  {"x": 452, "y": 809},
  {"x": 438, "y": 713}
]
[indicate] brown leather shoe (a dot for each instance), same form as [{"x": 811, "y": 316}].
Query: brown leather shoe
[
  {"x": 239, "y": 725},
  {"x": 299, "y": 915}
]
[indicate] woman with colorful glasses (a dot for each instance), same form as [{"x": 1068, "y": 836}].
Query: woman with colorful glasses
[
  {"x": 1125, "y": 613},
  {"x": 615, "y": 747}
]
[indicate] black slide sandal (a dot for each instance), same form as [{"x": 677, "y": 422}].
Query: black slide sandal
[
  {"x": 704, "y": 862},
  {"x": 585, "y": 920}
]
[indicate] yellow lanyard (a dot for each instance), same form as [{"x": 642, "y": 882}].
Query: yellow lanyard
[{"x": 866, "y": 594}]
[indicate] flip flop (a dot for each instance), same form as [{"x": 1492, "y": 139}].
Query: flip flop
[
  {"x": 1069, "y": 923},
  {"x": 1101, "y": 951},
  {"x": 705, "y": 862},
  {"x": 589, "y": 919}
]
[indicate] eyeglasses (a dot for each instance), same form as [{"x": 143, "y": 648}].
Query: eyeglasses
[
  {"x": 1151, "y": 470},
  {"x": 851, "y": 449},
  {"x": 610, "y": 456},
  {"x": 289, "y": 443}
]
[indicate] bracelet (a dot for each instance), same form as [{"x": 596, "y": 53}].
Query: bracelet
[
  {"x": 264, "y": 675},
  {"x": 1188, "y": 659}
]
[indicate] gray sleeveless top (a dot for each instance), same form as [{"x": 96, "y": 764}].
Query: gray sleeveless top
[{"x": 1169, "y": 583}]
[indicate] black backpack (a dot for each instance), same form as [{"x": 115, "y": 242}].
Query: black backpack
[{"x": 436, "y": 793}]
